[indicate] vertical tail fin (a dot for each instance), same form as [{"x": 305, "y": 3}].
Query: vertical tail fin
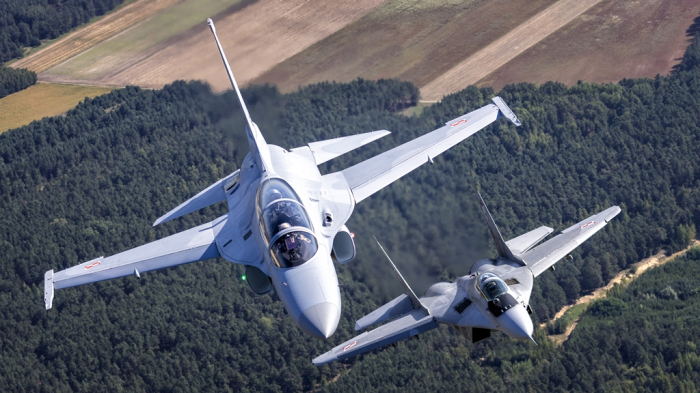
[
  {"x": 414, "y": 299},
  {"x": 503, "y": 249},
  {"x": 255, "y": 139}
]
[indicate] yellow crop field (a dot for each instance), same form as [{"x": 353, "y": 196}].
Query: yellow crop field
[{"x": 41, "y": 100}]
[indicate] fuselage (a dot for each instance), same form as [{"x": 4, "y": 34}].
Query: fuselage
[
  {"x": 483, "y": 300},
  {"x": 288, "y": 218}
]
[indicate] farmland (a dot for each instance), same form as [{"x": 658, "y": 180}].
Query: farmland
[
  {"x": 92, "y": 34},
  {"x": 41, "y": 100},
  {"x": 177, "y": 44},
  {"x": 410, "y": 40},
  {"x": 441, "y": 47},
  {"x": 613, "y": 40},
  {"x": 500, "y": 52}
]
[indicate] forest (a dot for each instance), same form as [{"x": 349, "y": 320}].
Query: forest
[
  {"x": 13, "y": 80},
  {"x": 25, "y": 23},
  {"x": 92, "y": 182}
]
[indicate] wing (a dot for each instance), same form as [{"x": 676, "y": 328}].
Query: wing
[
  {"x": 550, "y": 252},
  {"x": 407, "y": 326},
  {"x": 192, "y": 245},
  {"x": 370, "y": 176}
]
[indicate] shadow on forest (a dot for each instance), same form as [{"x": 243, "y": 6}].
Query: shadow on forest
[{"x": 690, "y": 33}]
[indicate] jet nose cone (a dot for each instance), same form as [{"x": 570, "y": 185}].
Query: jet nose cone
[
  {"x": 320, "y": 320},
  {"x": 516, "y": 323}
]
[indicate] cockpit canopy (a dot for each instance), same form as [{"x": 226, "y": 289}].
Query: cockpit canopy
[
  {"x": 492, "y": 286},
  {"x": 284, "y": 224}
]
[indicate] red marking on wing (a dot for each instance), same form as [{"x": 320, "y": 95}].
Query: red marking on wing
[
  {"x": 587, "y": 225},
  {"x": 92, "y": 265},
  {"x": 349, "y": 346},
  {"x": 455, "y": 124}
]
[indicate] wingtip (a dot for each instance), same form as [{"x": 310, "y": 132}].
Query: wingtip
[{"x": 324, "y": 359}]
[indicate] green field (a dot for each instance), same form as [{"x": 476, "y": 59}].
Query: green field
[
  {"x": 42, "y": 100},
  {"x": 138, "y": 42}
]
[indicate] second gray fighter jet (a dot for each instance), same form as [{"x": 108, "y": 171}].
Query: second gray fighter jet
[{"x": 493, "y": 296}]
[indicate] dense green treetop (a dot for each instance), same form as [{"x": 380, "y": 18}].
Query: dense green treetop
[
  {"x": 24, "y": 23},
  {"x": 91, "y": 182},
  {"x": 13, "y": 80}
]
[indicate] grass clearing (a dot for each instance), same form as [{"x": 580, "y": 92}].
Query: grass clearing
[
  {"x": 416, "y": 110},
  {"x": 41, "y": 100}
]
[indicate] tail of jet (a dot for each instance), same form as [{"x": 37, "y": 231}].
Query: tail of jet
[
  {"x": 403, "y": 305},
  {"x": 258, "y": 146},
  {"x": 503, "y": 250}
]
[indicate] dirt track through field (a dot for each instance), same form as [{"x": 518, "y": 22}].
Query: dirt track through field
[
  {"x": 495, "y": 55},
  {"x": 92, "y": 34},
  {"x": 255, "y": 39},
  {"x": 627, "y": 274}
]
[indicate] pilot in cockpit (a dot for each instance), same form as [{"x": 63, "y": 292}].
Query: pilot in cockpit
[{"x": 290, "y": 245}]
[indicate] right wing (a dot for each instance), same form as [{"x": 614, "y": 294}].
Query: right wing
[
  {"x": 407, "y": 326},
  {"x": 550, "y": 252},
  {"x": 370, "y": 176},
  {"x": 192, "y": 245}
]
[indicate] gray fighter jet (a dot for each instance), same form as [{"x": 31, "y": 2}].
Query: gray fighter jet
[
  {"x": 493, "y": 296},
  {"x": 286, "y": 222}
]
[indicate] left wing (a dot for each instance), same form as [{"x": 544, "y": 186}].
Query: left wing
[
  {"x": 550, "y": 252},
  {"x": 192, "y": 245},
  {"x": 407, "y": 326},
  {"x": 370, "y": 176}
]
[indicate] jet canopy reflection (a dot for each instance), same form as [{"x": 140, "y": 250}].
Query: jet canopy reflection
[
  {"x": 284, "y": 224},
  {"x": 492, "y": 286}
]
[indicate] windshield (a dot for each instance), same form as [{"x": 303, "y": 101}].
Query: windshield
[
  {"x": 284, "y": 224},
  {"x": 492, "y": 286}
]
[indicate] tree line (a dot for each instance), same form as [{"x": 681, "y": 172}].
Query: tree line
[
  {"x": 13, "y": 80},
  {"x": 25, "y": 23}
]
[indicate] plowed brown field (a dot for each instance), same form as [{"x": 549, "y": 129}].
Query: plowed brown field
[
  {"x": 412, "y": 40},
  {"x": 506, "y": 48},
  {"x": 92, "y": 34},
  {"x": 615, "y": 39}
]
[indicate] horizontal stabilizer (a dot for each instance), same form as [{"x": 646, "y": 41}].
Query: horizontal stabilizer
[
  {"x": 329, "y": 149},
  {"x": 526, "y": 241},
  {"x": 211, "y": 195},
  {"x": 395, "y": 308},
  {"x": 550, "y": 252},
  {"x": 404, "y": 327}
]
